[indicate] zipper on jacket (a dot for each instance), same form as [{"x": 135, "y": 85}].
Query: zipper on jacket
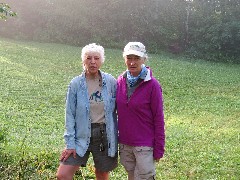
[{"x": 128, "y": 99}]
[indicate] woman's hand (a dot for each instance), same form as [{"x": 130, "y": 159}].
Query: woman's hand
[{"x": 66, "y": 153}]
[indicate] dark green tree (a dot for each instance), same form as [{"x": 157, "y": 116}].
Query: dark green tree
[
  {"x": 5, "y": 10},
  {"x": 214, "y": 29}
]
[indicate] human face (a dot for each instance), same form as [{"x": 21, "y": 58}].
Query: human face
[
  {"x": 134, "y": 63},
  {"x": 92, "y": 63}
]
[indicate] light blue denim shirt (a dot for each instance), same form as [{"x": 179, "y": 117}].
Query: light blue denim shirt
[{"x": 77, "y": 118}]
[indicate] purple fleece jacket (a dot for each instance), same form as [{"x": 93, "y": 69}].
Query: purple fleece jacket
[{"x": 141, "y": 118}]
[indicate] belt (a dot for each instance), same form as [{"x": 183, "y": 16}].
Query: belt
[{"x": 96, "y": 125}]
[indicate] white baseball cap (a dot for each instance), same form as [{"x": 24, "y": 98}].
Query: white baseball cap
[{"x": 135, "y": 48}]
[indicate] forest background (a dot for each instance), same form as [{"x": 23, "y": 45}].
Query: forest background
[{"x": 207, "y": 29}]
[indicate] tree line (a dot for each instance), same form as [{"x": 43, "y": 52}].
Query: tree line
[{"x": 208, "y": 29}]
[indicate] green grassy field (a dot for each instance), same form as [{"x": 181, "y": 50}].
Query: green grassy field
[{"x": 201, "y": 99}]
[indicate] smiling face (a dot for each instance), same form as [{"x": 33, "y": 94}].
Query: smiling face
[
  {"x": 134, "y": 63},
  {"x": 92, "y": 63}
]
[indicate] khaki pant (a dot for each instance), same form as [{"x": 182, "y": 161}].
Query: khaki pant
[{"x": 138, "y": 162}]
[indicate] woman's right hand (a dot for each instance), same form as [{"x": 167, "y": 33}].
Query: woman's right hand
[{"x": 66, "y": 153}]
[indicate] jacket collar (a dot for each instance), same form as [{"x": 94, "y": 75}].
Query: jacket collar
[{"x": 148, "y": 77}]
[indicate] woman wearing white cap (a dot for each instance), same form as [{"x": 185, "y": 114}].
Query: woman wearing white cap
[
  {"x": 90, "y": 120},
  {"x": 140, "y": 115}
]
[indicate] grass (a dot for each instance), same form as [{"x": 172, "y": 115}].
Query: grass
[{"x": 201, "y": 99}]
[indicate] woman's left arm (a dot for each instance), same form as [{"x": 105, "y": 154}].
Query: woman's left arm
[
  {"x": 158, "y": 118},
  {"x": 69, "y": 134}
]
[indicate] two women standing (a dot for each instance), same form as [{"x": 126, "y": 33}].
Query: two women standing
[{"x": 91, "y": 123}]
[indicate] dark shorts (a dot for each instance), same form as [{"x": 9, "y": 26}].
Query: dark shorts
[{"x": 99, "y": 149}]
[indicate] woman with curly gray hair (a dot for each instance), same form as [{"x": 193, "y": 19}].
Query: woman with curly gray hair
[{"x": 90, "y": 119}]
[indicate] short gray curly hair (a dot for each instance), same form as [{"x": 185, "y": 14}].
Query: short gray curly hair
[{"x": 93, "y": 47}]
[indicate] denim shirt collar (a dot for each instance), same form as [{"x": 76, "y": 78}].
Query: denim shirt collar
[{"x": 83, "y": 78}]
